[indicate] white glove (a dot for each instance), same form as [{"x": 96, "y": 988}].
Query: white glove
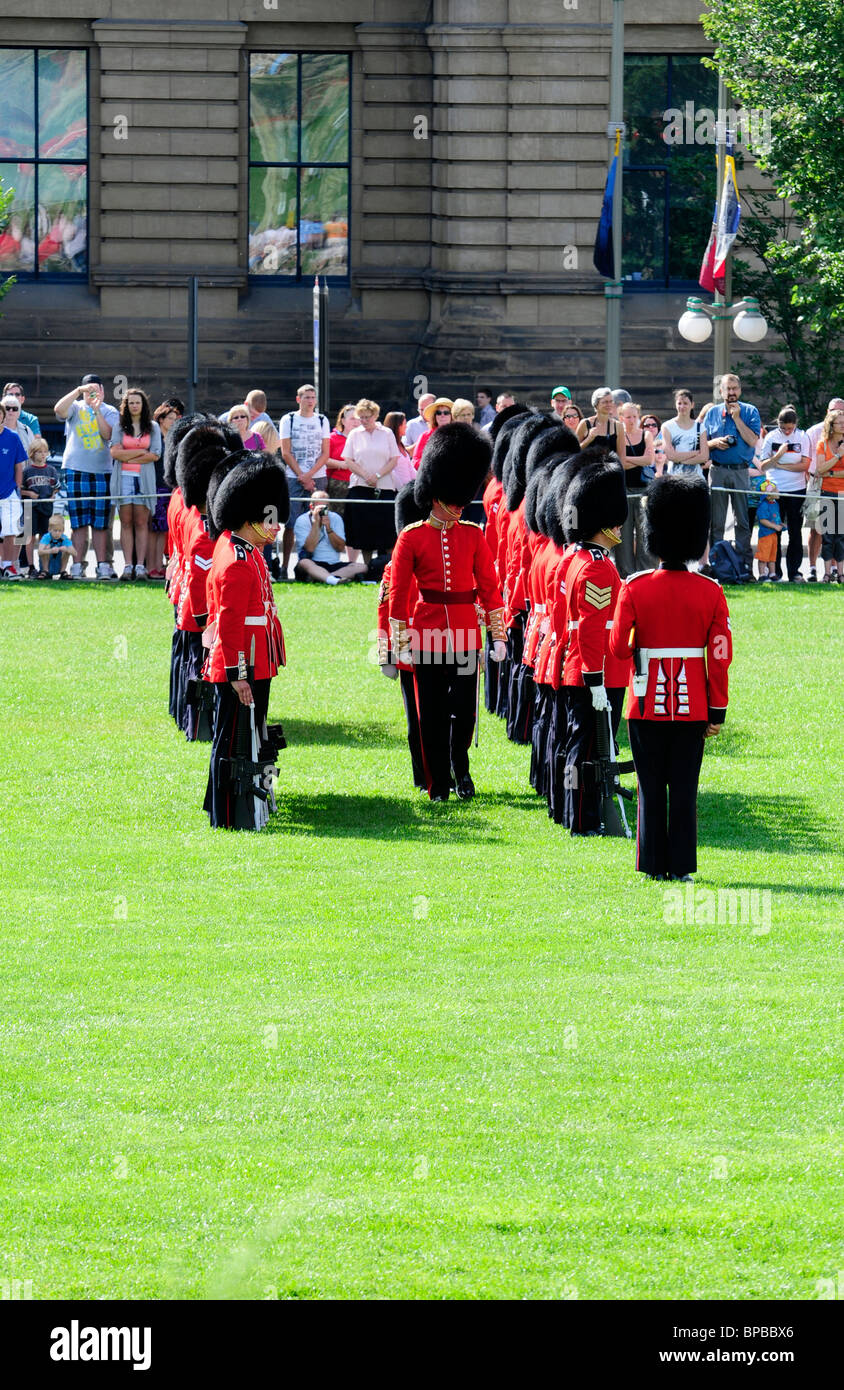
[
  {"x": 390, "y": 671},
  {"x": 499, "y": 651},
  {"x": 599, "y": 697}
]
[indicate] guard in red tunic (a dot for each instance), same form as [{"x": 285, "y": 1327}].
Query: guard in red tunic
[
  {"x": 439, "y": 634},
  {"x": 406, "y": 513},
  {"x": 500, "y": 431},
  {"x": 202, "y": 450},
  {"x": 594, "y": 679},
  {"x": 244, "y": 640},
  {"x": 677, "y": 626}
]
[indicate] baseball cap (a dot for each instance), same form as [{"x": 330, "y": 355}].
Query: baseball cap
[
  {"x": 91, "y": 380},
  {"x": 561, "y": 391}
]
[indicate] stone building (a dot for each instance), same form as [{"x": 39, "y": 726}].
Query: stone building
[{"x": 442, "y": 161}]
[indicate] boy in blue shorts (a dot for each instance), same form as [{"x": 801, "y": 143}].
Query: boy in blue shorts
[
  {"x": 768, "y": 517},
  {"x": 55, "y": 552}
]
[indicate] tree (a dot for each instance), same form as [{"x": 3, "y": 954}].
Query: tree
[
  {"x": 810, "y": 368},
  {"x": 785, "y": 59},
  {"x": 6, "y": 198}
]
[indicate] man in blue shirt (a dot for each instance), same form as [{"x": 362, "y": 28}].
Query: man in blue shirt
[
  {"x": 320, "y": 538},
  {"x": 733, "y": 431}
]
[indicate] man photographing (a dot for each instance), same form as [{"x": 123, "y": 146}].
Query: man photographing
[{"x": 320, "y": 539}]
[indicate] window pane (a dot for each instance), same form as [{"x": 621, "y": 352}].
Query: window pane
[
  {"x": 17, "y": 103},
  {"x": 274, "y": 107},
  {"x": 324, "y": 225},
  {"x": 643, "y": 233},
  {"x": 325, "y": 108},
  {"x": 645, "y": 101},
  {"x": 692, "y": 200},
  {"x": 272, "y": 221},
  {"x": 17, "y": 244},
  {"x": 691, "y": 81},
  {"x": 62, "y": 114},
  {"x": 62, "y": 229}
]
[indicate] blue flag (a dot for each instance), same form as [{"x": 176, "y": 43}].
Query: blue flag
[{"x": 603, "y": 257}]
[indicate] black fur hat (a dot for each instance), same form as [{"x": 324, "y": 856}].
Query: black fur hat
[
  {"x": 534, "y": 497},
  {"x": 406, "y": 509},
  {"x": 224, "y": 467},
  {"x": 182, "y": 427},
  {"x": 454, "y": 465},
  {"x": 558, "y": 439},
  {"x": 597, "y": 498},
  {"x": 504, "y": 437},
  {"x": 515, "y": 477},
  {"x": 199, "y": 453},
  {"x": 677, "y": 516},
  {"x": 253, "y": 489},
  {"x": 564, "y": 468},
  {"x": 508, "y": 413}
]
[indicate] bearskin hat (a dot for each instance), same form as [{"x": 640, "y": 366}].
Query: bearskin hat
[
  {"x": 596, "y": 499},
  {"x": 500, "y": 420},
  {"x": 182, "y": 427},
  {"x": 454, "y": 464},
  {"x": 504, "y": 436},
  {"x": 563, "y": 468},
  {"x": 406, "y": 510},
  {"x": 534, "y": 497},
  {"x": 677, "y": 517},
  {"x": 515, "y": 479},
  {"x": 224, "y": 467},
  {"x": 558, "y": 439},
  {"x": 199, "y": 453},
  {"x": 253, "y": 489}
]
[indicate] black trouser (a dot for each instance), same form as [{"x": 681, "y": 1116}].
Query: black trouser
[
  {"x": 543, "y": 705},
  {"x": 581, "y": 802},
  {"x": 175, "y": 671},
  {"x": 446, "y": 695},
  {"x": 220, "y": 803},
  {"x": 668, "y": 758},
  {"x": 791, "y": 516},
  {"x": 192, "y": 662},
  {"x": 492, "y": 671},
  {"x": 414, "y": 741},
  {"x": 515, "y": 647}
]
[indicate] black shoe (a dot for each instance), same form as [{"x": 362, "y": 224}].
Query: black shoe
[
  {"x": 465, "y": 788},
  {"x": 682, "y": 878},
  {"x": 440, "y": 798}
]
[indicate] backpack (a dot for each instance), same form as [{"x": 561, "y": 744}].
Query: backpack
[{"x": 728, "y": 565}]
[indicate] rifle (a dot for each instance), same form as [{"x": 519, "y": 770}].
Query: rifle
[
  {"x": 603, "y": 773},
  {"x": 245, "y": 774}
]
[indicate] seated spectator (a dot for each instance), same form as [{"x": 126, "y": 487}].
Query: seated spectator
[
  {"x": 419, "y": 423},
  {"x": 241, "y": 419},
  {"x": 829, "y": 466},
  {"x": 320, "y": 538},
  {"x": 165, "y": 416},
  {"x": 39, "y": 484},
  {"x": 55, "y": 552},
  {"x": 785, "y": 458},
  {"x": 770, "y": 525},
  {"x": 12, "y": 460},
  {"x": 136, "y": 444},
  {"x": 14, "y": 388}
]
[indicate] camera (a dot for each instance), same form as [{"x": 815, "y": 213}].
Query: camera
[{"x": 320, "y": 510}]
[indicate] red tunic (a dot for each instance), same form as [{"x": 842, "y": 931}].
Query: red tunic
[
  {"x": 558, "y": 614},
  {"x": 493, "y": 493},
  {"x": 680, "y": 624},
  {"x": 592, "y": 588},
  {"x": 386, "y": 655},
  {"x": 176, "y": 510},
  {"x": 197, "y": 553},
  {"x": 538, "y": 550},
  {"x": 242, "y": 611},
  {"x": 452, "y": 566},
  {"x": 515, "y": 598}
]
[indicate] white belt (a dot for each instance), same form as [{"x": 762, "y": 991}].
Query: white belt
[
  {"x": 540, "y": 608},
  {"x": 671, "y": 653},
  {"x": 256, "y": 622},
  {"x": 575, "y": 622}
]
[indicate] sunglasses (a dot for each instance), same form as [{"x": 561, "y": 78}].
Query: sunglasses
[
  {"x": 12, "y": 407},
  {"x": 442, "y": 412},
  {"x": 570, "y": 415}
]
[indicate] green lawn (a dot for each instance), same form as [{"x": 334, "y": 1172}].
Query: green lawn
[{"x": 390, "y": 1049}]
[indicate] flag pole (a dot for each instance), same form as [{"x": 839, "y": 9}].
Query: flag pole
[
  {"x": 721, "y": 324},
  {"x": 615, "y": 130}
]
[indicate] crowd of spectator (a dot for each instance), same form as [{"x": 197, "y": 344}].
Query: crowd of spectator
[{"x": 343, "y": 480}]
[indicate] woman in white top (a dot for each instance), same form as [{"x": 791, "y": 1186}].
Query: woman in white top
[
  {"x": 684, "y": 439},
  {"x": 785, "y": 457},
  {"x": 371, "y": 454}
]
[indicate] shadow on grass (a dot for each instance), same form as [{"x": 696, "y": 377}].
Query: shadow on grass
[
  {"x": 784, "y": 825},
  {"x": 411, "y": 817},
  {"x": 350, "y": 735}
]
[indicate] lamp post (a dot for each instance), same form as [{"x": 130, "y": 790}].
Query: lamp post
[{"x": 748, "y": 323}]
